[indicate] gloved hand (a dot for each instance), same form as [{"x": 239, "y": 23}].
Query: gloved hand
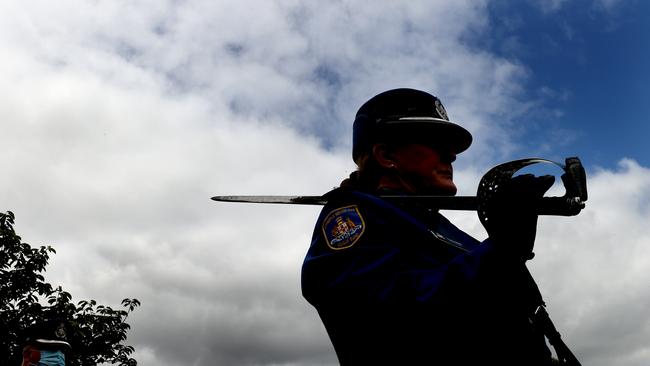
[{"x": 512, "y": 217}]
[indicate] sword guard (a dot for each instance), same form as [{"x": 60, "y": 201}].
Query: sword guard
[{"x": 574, "y": 180}]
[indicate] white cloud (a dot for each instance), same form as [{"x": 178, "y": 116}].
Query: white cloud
[{"x": 121, "y": 119}]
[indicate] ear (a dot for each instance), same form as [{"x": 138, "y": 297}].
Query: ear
[{"x": 383, "y": 156}]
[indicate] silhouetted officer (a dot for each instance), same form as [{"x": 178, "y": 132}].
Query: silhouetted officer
[{"x": 400, "y": 284}]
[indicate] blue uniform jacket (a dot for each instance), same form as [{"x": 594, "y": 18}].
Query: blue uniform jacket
[{"x": 403, "y": 286}]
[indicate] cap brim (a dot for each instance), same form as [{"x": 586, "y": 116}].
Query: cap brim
[
  {"x": 430, "y": 131},
  {"x": 51, "y": 343}
]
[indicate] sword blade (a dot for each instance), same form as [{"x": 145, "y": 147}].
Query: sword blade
[
  {"x": 289, "y": 200},
  {"x": 469, "y": 203}
]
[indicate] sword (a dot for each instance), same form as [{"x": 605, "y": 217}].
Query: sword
[{"x": 570, "y": 204}]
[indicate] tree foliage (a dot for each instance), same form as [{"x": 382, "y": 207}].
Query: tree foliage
[{"x": 96, "y": 332}]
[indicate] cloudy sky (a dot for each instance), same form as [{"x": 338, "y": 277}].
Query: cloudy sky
[{"x": 119, "y": 119}]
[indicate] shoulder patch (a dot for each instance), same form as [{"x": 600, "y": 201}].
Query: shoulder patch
[{"x": 343, "y": 227}]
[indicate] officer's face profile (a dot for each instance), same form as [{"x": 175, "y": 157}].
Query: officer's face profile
[{"x": 418, "y": 168}]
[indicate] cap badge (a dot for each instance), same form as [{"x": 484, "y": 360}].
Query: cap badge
[
  {"x": 441, "y": 110},
  {"x": 60, "y": 331}
]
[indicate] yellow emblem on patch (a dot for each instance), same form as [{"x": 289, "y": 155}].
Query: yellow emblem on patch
[{"x": 343, "y": 227}]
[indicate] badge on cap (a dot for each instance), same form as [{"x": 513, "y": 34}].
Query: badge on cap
[
  {"x": 343, "y": 227},
  {"x": 441, "y": 110},
  {"x": 60, "y": 331}
]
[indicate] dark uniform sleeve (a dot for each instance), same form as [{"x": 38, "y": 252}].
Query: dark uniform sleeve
[{"x": 373, "y": 271}]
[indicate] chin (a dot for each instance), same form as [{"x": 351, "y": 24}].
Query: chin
[
  {"x": 450, "y": 191},
  {"x": 442, "y": 186},
  {"x": 448, "y": 188}
]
